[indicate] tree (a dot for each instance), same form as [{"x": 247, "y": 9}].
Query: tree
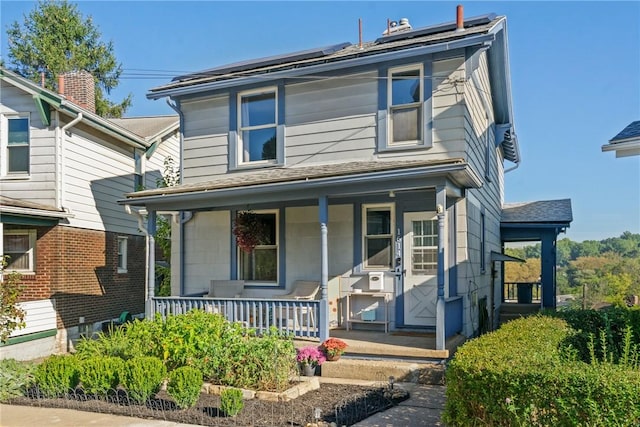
[
  {"x": 55, "y": 38},
  {"x": 170, "y": 177},
  {"x": 11, "y": 315}
]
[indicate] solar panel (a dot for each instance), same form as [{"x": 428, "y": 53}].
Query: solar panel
[
  {"x": 266, "y": 61},
  {"x": 438, "y": 28}
]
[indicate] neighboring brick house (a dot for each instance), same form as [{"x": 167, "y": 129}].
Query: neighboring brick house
[{"x": 62, "y": 169}]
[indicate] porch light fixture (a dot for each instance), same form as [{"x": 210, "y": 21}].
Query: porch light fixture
[
  {"x": 317, "y": 412},
  {"x": 392, "y": 194},
  {"x": 392, "y": 381}
]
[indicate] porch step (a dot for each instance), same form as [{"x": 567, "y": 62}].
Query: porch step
[{"x": 379, "y": 370}]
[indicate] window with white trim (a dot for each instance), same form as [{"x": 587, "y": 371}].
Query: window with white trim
[
  {"x": 404, "y": 102},
  {"x": 258, "y": 126},
  {"x": 424, "y": 247},
  {"x": 377, "y": 236},
  {"x": 15, "y": 145},
  {"x": 122, "y": 254},
  {"x": 20, "y": 247},
  {"x": 138, "y": 174},
  {"x": 261, "y": 263}
]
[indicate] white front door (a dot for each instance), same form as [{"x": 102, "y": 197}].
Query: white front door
[{"x": 420, "y": 255}]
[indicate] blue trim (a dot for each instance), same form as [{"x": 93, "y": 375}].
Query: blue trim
[
  {"x": 282, "y": 249},
  {"x": 233, "y": 131},
  {"x": 453, "y": 316},
  {"x": 381, "y": 128},
  {"x": 233, "y": 274},
  {"x": 357, "y": 236},
  {"x": 453, "y": 263},
  {"x": 427, "y": 137}
]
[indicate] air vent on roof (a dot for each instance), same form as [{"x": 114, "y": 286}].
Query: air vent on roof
[
  {"x": 252, "y": 64},
  {"x": 434, "y": 29},
  {"x": 396, "y": 27}
]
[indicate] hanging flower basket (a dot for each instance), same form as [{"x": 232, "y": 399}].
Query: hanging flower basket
[{"x": 249, "y": 231}]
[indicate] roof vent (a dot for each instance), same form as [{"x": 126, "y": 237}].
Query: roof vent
[{"x": 395, "y": 26}]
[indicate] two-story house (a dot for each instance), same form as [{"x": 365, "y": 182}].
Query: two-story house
[
  {"x": 62, "y": 170},
  {"x": 376, "y": 169}
]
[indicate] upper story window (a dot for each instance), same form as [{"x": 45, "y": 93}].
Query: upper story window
[
  {"x": 19, "y": 246},
  {"x": 16, "y": 146},
  {"x": 257, "y": 126},
  {"x": 138, "y": 175},
  {"x": 122, "y": 254},
  {"x": 377, "y": 235},
  {"x": 405, "y": 98}
]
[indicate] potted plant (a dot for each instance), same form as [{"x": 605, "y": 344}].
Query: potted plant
[
  {"x": 308, "y": 358},
  {"x": 249, "y": 230},
  {"x": 333, "y": 348}
]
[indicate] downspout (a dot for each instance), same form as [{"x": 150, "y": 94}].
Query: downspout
[{"x": 62, "y": 133}]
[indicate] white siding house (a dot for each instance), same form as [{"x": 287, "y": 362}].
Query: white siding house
[{"x": 62, "y": 170}]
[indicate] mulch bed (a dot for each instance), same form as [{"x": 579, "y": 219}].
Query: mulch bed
[{"x": 339, "y": 403}]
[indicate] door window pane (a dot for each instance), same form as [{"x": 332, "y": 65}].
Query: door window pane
[{"x": 424, "y": 249}]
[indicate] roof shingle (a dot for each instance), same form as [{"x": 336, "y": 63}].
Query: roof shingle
[{"x": 543, "y": 211}]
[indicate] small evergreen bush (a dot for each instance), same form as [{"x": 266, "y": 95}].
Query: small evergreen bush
[
  {"x": 231, "y": 402},
  {"x": 15, "y": 378},
  {"x": 100, "y": 374},
  {"x": 143, "y": 377},
  {"x": 57, "y": 375},
  {"x": 184, "y": 386}
]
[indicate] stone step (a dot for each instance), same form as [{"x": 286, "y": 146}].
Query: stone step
[{"x": 380, "y": 369}]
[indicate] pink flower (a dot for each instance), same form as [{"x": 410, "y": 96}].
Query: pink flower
[{"x": 310, "y": 356}]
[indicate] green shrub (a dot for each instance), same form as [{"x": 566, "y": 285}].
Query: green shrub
[
  {"x": 15, "y": 378},
  {"x": 142, "y": 377},
  {"x": 231, "y": 402},
  {"x": 608, "y": 327},
  {"x": 184, "y": 386},
  {"x": 100, "y": 374},
  {"x": 522, "y": 375},
  {"x": 57, "y": 375}
]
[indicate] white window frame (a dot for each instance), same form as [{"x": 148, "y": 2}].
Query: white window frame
[
  {"x": 123, "y": 243},
  {"x": 4, "y": 146},
  {"x": 277, "y": 247},
  {"x": 434, "y": 270},
  {"x": 419, "y": 104},
  {"x": 240, "y": 128},
  {"x": 391, "y": 237},
  {"x": 32, "y": 233}
]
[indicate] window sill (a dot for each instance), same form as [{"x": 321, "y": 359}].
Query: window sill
[
  {"x": 407, "y": 147},
  {"x": 16, "y": 177},
  {"x": 257, "y": 165},
  {"x": 120, "y": 271}
]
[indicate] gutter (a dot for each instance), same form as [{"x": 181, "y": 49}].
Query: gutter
[
  {"x": 35, "y": 212},
  {"x": 331, "y": 66}
]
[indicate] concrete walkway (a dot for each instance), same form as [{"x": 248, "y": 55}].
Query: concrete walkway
[{"x": 423, "y": 408}]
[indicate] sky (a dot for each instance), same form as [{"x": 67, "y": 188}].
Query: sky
[{"x": 575, "y": 76}]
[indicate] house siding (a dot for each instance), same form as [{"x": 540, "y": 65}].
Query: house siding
[
  {"x": 39, "y": 186},
  {"x": 154, "y": 165},
  {"x": 206, "y": 140},
  {"x": 96, "y": 174},
  {"x": 479, "y": 129}
]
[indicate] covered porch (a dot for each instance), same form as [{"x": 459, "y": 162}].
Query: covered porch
[{"x": 336, "y": 261}]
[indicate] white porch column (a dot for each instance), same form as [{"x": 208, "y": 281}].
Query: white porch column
[
  {"x": 441, "y": 205},
  {"x": 323, "y": 321},
  {"x": 151, "y": 264}
]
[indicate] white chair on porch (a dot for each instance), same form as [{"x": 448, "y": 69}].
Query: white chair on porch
[
  {"x": 303, "y": 290},
  {"x": 224, "y": 289}
]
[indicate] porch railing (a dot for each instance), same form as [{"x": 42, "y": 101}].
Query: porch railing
[
  {"x": 522, "y": 292},
  {"x": 296, "y": 317}
]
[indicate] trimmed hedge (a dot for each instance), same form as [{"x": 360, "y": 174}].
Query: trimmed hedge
[
  {"x": 57, "y": 375},
  {"x": 99, "y": 375},
  {"x": 521, "y": 375},
  {"x": 184, "y": 386}
]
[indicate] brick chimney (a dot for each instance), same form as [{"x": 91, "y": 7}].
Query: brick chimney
[{"x": 78, "y": 87}]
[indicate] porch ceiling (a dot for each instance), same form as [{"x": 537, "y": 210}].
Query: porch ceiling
[{"x": 309, "y": 182}]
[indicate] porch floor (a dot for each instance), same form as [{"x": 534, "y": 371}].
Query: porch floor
[{"x": 395, "y": 344}]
